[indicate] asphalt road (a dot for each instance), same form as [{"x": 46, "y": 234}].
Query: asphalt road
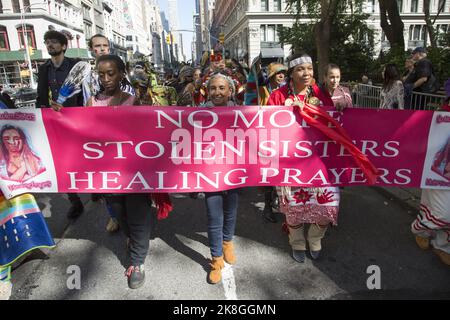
[{"x": 373, "y": 230}]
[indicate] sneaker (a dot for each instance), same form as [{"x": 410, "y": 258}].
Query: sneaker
[
  {"x": 299, "y": 255},
  {"x": 136, "y": 276},
  {"x": 75, "y": 210}
]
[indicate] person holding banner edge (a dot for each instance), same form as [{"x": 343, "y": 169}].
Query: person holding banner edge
[
  {"x": 316, "y": 207},
  {"x": 431, "y": 228},
  {"x": 52, "y": 75},
  {"x": 221, "y": 206}
]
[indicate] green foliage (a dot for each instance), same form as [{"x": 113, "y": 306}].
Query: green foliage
[
  {"x": 440, "y": 57},
  {"x": 352, "y": 41}
]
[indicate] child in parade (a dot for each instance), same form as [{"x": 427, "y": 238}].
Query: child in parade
[
  {"x": 221, "y": 206},
  {"x": 315, "y": 208}
]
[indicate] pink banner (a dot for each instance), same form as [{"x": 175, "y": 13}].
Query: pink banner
[{"x": 177, "y": 149}]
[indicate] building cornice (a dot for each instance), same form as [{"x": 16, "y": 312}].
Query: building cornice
[{"x": 50, "y": 18}]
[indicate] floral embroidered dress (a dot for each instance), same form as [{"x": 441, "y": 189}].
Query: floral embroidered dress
[{"x": 299, "y": 204}]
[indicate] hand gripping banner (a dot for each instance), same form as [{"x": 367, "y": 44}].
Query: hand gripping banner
[{"x": 179, "y": 149}]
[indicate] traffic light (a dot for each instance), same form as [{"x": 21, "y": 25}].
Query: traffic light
[
  {"x": 169, "y": 38},
  {"x": 222, "y": 38}
]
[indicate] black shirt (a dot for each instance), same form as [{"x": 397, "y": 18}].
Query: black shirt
[
  {"x": 57, "y": 76},
  {"x": 50, "y": 80},
  {"x": 423, "y": 69}
]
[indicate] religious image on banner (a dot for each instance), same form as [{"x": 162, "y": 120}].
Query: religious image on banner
[
  {"x": 441, "y": 164},
  {"x": 437, "y": 164},
  {"x": 18, "y": 160},
  {"x": 26, "y": 161}
]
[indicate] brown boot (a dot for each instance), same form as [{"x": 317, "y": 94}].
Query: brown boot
[
  {"x": 423, "y": 243},
  {"x": 228, "y": 252},
  {"x": 215, "y": 275}
]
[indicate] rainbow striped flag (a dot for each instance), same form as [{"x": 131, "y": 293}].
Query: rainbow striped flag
[{"x": 22, "y": 229}]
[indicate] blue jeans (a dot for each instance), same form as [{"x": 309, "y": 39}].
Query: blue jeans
[{"x": 222, "y": 211}]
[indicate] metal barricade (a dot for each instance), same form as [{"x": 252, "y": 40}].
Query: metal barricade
[
  {"x": 369, "y": 96},
  {"x": 366, "y": 96},
  {"x": 424, "y": 101}
]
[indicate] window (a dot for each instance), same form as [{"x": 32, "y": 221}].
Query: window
[
  {"x": 4, "y": 42},
  {"x": 88, "y": 30},
  {"x": 442, "y": 4},
  {"x": 26, "y": 5},
  {"x": 264, "y": 5},
  {"x": 400, "y": 5},
  {"x": 414, "y": 5},
  {"x": 277, "y": 5},
  {"x": 417, "y": 32},
  {"x": 371, "y": 6},
  {"x": 16, "y": 6},
  {"x": 270, "y": 33},
  {"x": 29, "y": 30},
  {"x": 1, "y": 6}
]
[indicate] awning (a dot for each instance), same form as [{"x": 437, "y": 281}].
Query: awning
[{"x": 272, "y": 53}]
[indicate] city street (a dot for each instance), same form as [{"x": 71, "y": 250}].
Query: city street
[{"x": 374, "y": 230}]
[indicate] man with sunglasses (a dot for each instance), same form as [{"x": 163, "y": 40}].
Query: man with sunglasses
[{"x": 51, "y": 76}]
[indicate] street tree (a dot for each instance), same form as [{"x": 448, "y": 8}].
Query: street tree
[
  {"x": 392, "y": 24},
  {"x": 331, "y": 31},
  {"x": 432, "y": 32}
]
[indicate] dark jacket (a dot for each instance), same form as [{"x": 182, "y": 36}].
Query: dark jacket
[{"x": 42, "y": 100}]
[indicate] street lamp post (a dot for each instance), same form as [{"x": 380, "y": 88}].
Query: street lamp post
[{"x": 24, "y": 33}]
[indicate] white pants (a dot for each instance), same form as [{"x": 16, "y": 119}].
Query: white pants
[{"x": 433, "y": 221}]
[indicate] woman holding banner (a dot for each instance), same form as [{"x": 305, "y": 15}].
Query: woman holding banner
[
  {"x": 221, "y": 206},
  {"x": 134, "y": 211},
  {"x": 303, "y": 207}
]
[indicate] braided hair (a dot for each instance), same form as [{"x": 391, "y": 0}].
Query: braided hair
[{"x": 120, "y": 66}]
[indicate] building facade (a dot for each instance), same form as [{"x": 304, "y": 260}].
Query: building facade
[
  {"x": 138, "y": 33},
  {"x": 251, "y": 26},
  {"x": 33, "y": 18},
  {"x": 412, "y": 14},
  {"x": 157, "y": 31},
  {"x": 178, "y": 50},
  {"x": 115, "y": 28}
]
